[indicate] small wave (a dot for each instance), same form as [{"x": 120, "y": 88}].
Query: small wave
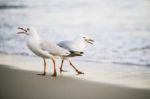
[
  {"x": 11, "y": 6},
  {"x": 113, "y": 62},
  {"x": 141, "y": 48},
  {"x": 22, "y": 53},
  {"x": 131, "y": 64}
]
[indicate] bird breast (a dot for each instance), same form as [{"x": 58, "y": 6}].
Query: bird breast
[{"x": 34, "y": 46}]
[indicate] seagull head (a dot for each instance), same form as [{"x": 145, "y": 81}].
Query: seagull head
[
  {"x": 87, "y": 39},
  {"x": 27, "y": 31}
]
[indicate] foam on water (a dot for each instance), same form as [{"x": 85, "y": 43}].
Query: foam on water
[{"x": 117, "y": 26}]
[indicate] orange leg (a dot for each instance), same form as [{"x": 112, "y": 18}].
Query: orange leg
[
  {"x": 55, "y": 73},
  {"x": 79, "y": 72},
  {"x": 61, "y": 70},
  {"x": 45, "y": 66},
  {"x": 44, "y": 73}
]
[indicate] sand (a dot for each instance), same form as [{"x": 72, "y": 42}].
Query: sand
[{"x": 17, "y": 83}]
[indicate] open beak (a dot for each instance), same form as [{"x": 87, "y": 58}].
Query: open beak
[
  {"x": 89, "y": 41},
  {"x": 23, "y": 31}
]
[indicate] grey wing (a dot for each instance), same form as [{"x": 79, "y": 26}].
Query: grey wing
[
  {"x": 68, "y": 45},
  {"x": 65, "y": 45},
  {"x": 53, "y": 48}
]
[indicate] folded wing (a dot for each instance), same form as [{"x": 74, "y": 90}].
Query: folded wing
[
  {"x": 54, "y": 49},
  {"x": 71, "y": 47}
]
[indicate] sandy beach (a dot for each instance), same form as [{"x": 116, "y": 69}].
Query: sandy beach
[
  {"x": 17, "y": 83},
  {"x": 116, "y": 66}
]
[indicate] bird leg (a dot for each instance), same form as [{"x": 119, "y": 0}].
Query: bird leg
[
  {"x": 61, "y": 70},
  {"x": 44, "y": 66},
  {"x": 44, "y": 73},
  {"x": 55, "y": 73},
  {"x": 79, "y": 72}
]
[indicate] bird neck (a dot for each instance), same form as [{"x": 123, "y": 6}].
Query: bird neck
[
  {"x": 34, "y": 36},
  {"x": 80, "y": 43}
]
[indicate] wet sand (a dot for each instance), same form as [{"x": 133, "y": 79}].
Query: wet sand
[
  {"x": 120, "y": 75},
  {"x": 17, "y": 83}
]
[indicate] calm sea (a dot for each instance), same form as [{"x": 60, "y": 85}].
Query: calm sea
[{"x": 121, "y": 28}]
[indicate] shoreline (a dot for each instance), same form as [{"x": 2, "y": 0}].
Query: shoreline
[{"x": 132, "y": 77}]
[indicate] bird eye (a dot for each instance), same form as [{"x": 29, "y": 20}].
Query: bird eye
[{"x": 28, "y": 29}]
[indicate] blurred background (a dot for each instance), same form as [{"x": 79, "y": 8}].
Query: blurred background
[{"x": 121, "y": 28}]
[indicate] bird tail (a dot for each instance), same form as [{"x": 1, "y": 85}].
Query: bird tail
[{"x": 75, "y": 53}]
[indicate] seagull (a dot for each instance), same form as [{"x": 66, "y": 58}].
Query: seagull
[
  {"x": 43, "y": 48},
  {"x": 76, "y": 47}
]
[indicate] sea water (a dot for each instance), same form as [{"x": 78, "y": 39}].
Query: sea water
[{"x": 120, "y": 28}]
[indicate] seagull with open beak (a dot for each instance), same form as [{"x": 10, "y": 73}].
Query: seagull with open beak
[{"x": 42, "y": 48}]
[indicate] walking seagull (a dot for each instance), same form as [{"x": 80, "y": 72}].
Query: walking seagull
[
  {"x": 42, "y": 48},
  {"x": 76, "y": 48}
]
